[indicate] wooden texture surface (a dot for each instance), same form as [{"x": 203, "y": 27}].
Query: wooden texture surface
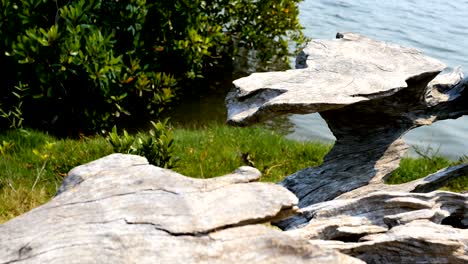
[
  {"x": 370, "y": 93},
  {"x": 119, "y": 209}
]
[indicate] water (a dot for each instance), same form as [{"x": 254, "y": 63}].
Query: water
[{"x": 439, "y": 28}]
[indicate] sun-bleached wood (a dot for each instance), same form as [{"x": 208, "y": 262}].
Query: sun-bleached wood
[
  {"x": 120, "y": 209},
  {"x": 369, "y": 92},
  {"x": 391, "y": 227}
]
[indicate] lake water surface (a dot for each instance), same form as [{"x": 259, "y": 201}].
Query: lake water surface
[{"x": 439, "y": 28}]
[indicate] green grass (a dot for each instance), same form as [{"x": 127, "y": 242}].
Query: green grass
[
  {"x": 33, "y": 164},
  {"x": 217, "y": 150},
  {"x": 412, "y": 169}
]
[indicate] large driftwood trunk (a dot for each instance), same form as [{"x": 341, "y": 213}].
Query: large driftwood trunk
[
  {"x": 119, "y": 209},
  {"x": 370, "y": 93}
]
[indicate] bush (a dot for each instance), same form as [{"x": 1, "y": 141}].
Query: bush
[
  {"x": 156, "y": 146},
  {"x": 84, "y": 65},
  {"x": 80, "y": 71}
]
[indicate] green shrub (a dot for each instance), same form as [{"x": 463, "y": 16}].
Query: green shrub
[
  {"x": 5, "y": 147},
  {"x": 81, "y": 64},
  {"x": 156, "y": 146},
  {"x": 85, "y": 65}
]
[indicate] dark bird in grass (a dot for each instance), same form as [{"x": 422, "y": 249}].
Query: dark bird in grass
[{"x": 246, "y": 159}]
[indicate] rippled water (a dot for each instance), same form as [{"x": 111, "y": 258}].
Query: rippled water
[{"x": 439, "y": 28}]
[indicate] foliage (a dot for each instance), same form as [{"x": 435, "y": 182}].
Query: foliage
[
  {"x": 266, "y": 27},
  {"x": 14, "y": 116},
  {"x": 5, "y": 147},
  {"x": 156, "y": 146},
  {"x": 76, "y": 59},
  {"x": 84, "y": 65},
  {"x": 120, "y": 143}
]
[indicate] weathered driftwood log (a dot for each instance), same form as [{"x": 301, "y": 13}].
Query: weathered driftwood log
[
  {"x": 119, "y": 209},
  {"x": 389, "y": 227},
  {"x": 370, "y": 93}
]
